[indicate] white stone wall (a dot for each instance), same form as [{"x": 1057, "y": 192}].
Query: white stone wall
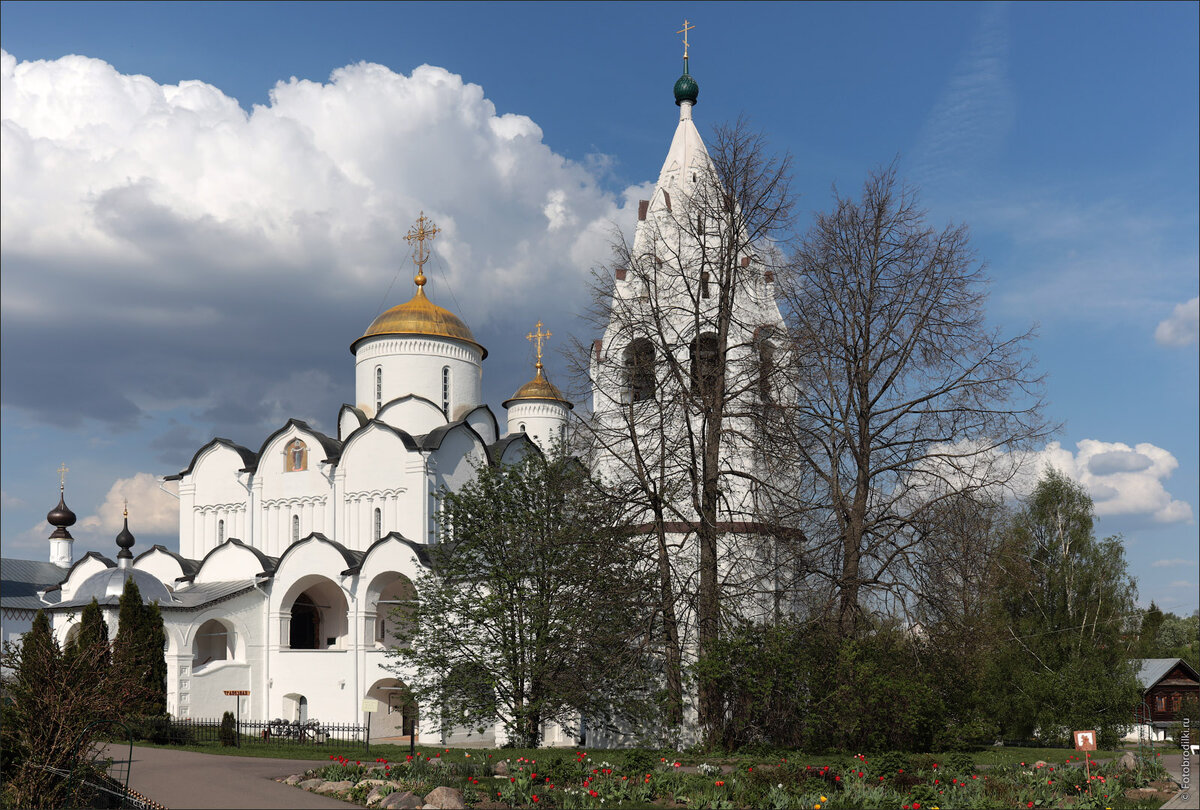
[
  {"x": 542, "y": 420},
  {"x": 413, "y": 365}
]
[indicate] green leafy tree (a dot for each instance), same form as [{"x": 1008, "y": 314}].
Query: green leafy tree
[
  {"x": 1062, "y": 603},
  {"x": 138, "y": 653},
  {"x": 1178, "y": 637},
  {"x": 534, "y": 607}
]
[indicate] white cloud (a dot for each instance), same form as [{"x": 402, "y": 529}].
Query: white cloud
[
  {"x": 974, "y": 112},
  {"x": 1122, "y": 480},
  {"x": 10, "y": 501},
  {"x": 168, "y": 219},
  {"x": 1183, "y": 327},
  {"x": 151, "y": 510},
  {"x": 1172, "y": 563}
]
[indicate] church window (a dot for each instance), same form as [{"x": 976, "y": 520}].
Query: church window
[
  {"x": 705, "y": 357},
  {"x": 446, "y": 391},
  {"x": 378, "y": 388},
  {"x": 639, "y": 370},
  {"x": 522, "y": 427},
  {"x": 296, "y": 456},
  {"x": 220, "y": 532},
  {"x": 378, "y": 523},
  {"x": 295, "y": 528},
  {"x": 704, "y": 284}
]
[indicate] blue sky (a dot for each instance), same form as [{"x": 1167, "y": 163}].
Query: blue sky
[{"x": 184, "y": 261}]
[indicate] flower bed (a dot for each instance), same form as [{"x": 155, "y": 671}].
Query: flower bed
[{"x": 488, "y": 779}]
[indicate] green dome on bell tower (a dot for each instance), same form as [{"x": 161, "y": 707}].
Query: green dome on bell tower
[{"x": 686, "y": 88}]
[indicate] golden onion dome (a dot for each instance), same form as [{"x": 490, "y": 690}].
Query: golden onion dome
[
  {"x": 420, "y": 316},
  {"x": 538, "y": 388}
]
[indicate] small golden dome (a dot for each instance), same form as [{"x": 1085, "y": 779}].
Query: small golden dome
[
  {"x": 539, "y": 388},
  {"x": 420, "y": 316}
]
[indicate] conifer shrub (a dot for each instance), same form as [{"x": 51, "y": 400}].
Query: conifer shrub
[{"x": 228, "y": 733}]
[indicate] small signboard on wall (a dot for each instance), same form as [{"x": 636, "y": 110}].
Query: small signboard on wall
[{"x": 1085, "y": 740}]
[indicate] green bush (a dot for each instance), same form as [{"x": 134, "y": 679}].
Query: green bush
[
  {"x": 641, "y": 761},
  {"x": 228, "y": 733},
  {"x": 887, "y": 764},
  {"x": 958, "y": 763}
]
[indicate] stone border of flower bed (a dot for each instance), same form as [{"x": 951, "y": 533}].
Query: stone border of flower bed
[{"x": 388, "y": 794}]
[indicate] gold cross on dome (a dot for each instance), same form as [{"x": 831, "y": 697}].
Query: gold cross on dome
[
  {"x": 537, "y": 337},
  {"x": 684, "y": 31},
  {"x": 62, "y": 475},
  {"x": 422, "y": 231}
]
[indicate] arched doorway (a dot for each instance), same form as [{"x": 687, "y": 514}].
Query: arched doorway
[{"x": 397, "y": 715}]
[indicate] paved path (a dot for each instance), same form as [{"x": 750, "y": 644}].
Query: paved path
[
  {"x": 185, "y": 779},
  {"x": 1189, "y": 797}
]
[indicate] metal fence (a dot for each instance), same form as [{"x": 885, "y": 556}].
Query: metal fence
[{"x": 201, "y": 731}]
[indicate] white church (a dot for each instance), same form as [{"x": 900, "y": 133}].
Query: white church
[{"x": 292, "y": 555}]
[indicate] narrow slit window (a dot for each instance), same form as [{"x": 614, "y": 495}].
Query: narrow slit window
[
  {"x": 704, "y": 284},
  {"x": 378, "y": 388},
  {"x": 378, "y": 523},
  {"x": 446, "y": 391},
  {"x": 220, "y": 532},
  {"x": 295, "y": 528}
]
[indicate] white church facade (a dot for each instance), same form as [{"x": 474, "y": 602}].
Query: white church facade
[{"x": 291, "y": 556}]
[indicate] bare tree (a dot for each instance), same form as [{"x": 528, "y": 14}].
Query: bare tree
[
  {"x": 676, "y": 380},
  {"x": 903, "y": 396}
]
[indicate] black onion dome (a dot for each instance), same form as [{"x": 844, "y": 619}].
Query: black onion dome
[
  {"x": 125, "y": 541},
  {"x": 61, "y": 516}
]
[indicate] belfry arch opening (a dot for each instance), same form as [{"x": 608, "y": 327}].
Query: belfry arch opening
[
  {"x": 704, "y": 353},
  {"x": 639, "y": 370}
]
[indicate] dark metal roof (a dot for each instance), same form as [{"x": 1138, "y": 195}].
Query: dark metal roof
[
  {"x": 358, "y": 414},
  {"x": 422, "y": 551},
  {"x": 1153, "y": 670},
  {"x": 409, "y": 442},
  {"x": 204, "y": 594},
  {"x": 22, "y": 580},
  {"x": 190, "y": 567},
  {"x": 249, "y": 459},
  {"x": 331, "y": 446},
  {"x": 352, "y": 558},
  {"x": 433, "y": 439},
  {"x": 269, "y": 564},
  {"x": 497, "y": 449}
]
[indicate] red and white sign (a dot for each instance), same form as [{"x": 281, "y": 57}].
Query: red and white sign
[{"x": 1085, "y": 741}]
